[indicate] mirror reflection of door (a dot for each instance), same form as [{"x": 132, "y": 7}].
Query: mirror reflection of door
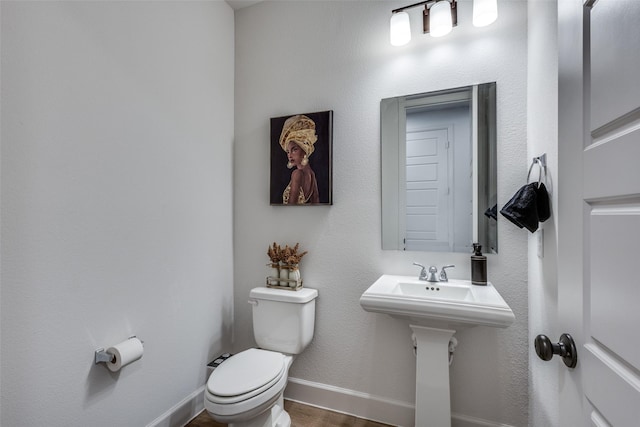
[
  {"x": 439, "y": 170},
  {"x": 427, "y": 190},
  {"x": 437, "y": 189}
]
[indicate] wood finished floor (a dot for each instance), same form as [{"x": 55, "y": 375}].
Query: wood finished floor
[{"x": 301, "y": 416}]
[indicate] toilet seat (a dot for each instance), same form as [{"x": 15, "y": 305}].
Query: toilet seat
[
  {"x": 245, "y": 375},
  {"x": 246, "y": 384}
]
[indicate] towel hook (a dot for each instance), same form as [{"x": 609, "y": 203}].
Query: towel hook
[{"x": 541, "y": 161}]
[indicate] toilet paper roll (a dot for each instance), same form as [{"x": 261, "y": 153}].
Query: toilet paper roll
[{"x": 124, "y": 353}]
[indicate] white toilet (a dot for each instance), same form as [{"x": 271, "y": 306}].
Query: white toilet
[{"x": 246, "y": 390}]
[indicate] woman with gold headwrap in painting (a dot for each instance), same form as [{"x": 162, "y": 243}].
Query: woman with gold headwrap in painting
[{"x": 297, "y": 140}]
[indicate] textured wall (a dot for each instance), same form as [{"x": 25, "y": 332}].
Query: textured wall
[
  {"x": 117, "y": 127},
  {"x": 294, "y": 57},
  {"x": 543, "y": 283}
]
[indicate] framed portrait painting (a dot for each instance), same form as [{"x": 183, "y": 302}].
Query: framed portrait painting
[{"x": 301, "y": 159}]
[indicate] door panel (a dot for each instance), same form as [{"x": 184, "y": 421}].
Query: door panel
[
  {"x": 615, "y": 293},
  {"x": 611, "y": 192},
  {"x": 597, "y": 420},
  {"x": 610, "y": 387},
  {"x": 616, "y": 155},
  {"x": 427, "y": 190},
  {"x": 615, "y": 40}
]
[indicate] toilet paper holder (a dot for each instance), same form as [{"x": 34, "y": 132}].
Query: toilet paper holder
[{"x": 101, "y": 355}]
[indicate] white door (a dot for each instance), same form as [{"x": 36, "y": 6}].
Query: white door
[
  {"x": 428, "y": 227},
  {"x": 599, "y": 225}
]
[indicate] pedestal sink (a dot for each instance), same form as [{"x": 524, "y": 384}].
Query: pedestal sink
[{"x": 434, "y": 312}]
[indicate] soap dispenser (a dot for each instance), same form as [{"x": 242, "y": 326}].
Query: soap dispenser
[{"x": 478, "y": 266}]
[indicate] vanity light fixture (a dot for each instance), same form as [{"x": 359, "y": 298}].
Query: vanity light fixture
[
  {"x": 485, "y": 12},
  {"x": 439, "y": 17},
  {"x": 400, "y": 31}
]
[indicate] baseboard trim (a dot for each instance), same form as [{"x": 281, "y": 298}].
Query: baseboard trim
[
  {"x": 182, "y": 412},
  {"x": 367, "y": 406},
  {"x": 350, "y": 402},
  {"x": 459, "y": 420},
  {"x": 324, "y": 396}
]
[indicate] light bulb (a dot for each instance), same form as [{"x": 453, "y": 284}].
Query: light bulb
[
  {"x": 399, "y": 29},
  {"x": 485, "y": 12},
  {"x": 440, "y": 21}
]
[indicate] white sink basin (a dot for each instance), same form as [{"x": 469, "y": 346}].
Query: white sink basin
[{"x": 454, "y": 304}]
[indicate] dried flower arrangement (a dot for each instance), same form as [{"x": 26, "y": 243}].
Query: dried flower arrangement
[
  {"x": 284, "y": 266},
  {"x": 286, "y": 255}
]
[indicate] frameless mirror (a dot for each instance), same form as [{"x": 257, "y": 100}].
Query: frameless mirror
[{"x": 439, "y": 174}]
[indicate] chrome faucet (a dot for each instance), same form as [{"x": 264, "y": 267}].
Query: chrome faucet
[
  {"x": 432, "y": 276},
  {"x": 423, "y": 272},
  {"x": 427, "y": 277},
  {"x": 443, "y": 273}
]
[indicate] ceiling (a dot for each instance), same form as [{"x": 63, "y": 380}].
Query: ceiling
[{"x": 239, "y": 4}]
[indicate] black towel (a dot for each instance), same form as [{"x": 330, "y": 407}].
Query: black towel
[
  {"x": 542, "y": 202},
  {"x": 492, "y": 212},
  {"x": 522, "y": 209}
]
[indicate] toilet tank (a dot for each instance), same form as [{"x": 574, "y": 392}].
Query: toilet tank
[{"x": 283, "y": 320}]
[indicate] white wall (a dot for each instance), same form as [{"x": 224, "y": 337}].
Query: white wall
[
  {"x": 295, "y": 57},
  {"x": 542, "y": 137},
  {"x": 117, "y": 127}
]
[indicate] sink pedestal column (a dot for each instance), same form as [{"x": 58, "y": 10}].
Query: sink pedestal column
[{"x": 433, "y": 399}]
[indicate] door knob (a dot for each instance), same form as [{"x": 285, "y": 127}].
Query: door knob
[{"x": 566, "y": 349}]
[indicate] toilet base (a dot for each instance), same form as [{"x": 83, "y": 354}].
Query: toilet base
[{"x": 275, "y": 417}]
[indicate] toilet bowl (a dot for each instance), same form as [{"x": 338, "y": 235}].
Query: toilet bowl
[
  {"x": 247, "y": 389},
  {"x": 246, "y": 385}
]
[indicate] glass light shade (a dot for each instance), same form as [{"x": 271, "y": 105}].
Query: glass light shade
[
  {"x": 399, "y": 29},
  {"x": 485, "y": 12},
  {"x": 440, "y": 21}
]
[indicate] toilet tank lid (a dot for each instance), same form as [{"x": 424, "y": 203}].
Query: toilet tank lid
[{"x": 300, "y": 296}]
